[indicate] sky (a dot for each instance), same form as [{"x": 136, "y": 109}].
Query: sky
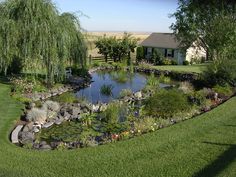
[{"x": 122, "y": 15}]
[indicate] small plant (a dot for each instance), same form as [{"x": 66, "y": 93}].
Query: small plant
[
  {"x": 223, "y": 91},
  {"x": 125, "y": 93},
  {"x": 114, "y": 117},
  {"x": 164, "y": 79},
  {"x": 67, "y": 97},
  {"x": 106, "y": 89},
  {"x": 37, "y": 115},
  {"x": 51, "y": 105},
  {"x": 145, "y": 125},
  {"x": 120, "y": 77},
  {"x": 152, "y": 81},
  {"x": 186, "y": 87}
]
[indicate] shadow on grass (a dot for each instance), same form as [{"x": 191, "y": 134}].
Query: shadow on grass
[
  {"x": 221, "y": 163},
  {"x": 4, "y": 80},
  {"x": 230, "y": 125}
]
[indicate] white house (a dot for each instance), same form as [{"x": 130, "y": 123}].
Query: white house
[{"x": 168, "y": 45}]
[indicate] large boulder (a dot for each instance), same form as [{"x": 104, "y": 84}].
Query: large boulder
[{"x": 26, "y": 137}]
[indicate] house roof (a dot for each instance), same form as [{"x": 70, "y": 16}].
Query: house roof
[{"x": 161, "y": 40}]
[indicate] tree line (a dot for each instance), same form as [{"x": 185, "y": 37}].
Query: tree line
[{"x": 115, "y": 48}]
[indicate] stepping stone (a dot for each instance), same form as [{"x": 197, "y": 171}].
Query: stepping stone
[
  {"x": 15, "y": 133},
  {"x": 47, "y": 125}
]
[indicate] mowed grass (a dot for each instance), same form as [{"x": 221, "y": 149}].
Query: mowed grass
[
  {"x": 204, "y": 146},
  {"x": 198, "y": 68}
]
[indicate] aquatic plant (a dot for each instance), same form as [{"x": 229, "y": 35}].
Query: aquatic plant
[
  {"x": 152, "y": 80},
  {"x": 121, "y": 76},
  {"x": 106, "y": 90}
]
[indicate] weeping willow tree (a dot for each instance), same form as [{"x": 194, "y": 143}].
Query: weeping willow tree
[{"x": 34, "y": 32}]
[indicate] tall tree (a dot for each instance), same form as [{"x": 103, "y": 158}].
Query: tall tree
[
  {"x": 35, "y": 32},
  {"x": 196, "y": 21}
]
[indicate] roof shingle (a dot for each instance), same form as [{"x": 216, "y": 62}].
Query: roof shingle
[{"x": 161, "y": 40}]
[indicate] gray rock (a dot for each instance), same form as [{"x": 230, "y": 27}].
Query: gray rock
[
  {"x": 26, "y": 137},
  {"x": 36, "y": 130},
  {"x": 95, "y": 108},
  {"x": 59, "y": 121},
  {"x": 45, "y": 147},
  {"x": 28, "y": 127},
  {"x": 47, "y": 125}
]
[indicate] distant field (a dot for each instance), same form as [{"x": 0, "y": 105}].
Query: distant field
[{"x": 92, "y": 36}]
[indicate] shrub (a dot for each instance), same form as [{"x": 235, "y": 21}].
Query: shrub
[
  {"x": 95, "y": 64},
  {"x": 174, "y": 62},
  {"x": 82, "y": 72},
  {"x": 114, "y": 117},
  {"x": 186, "y": 87},
  {"x": 139, "y": 54},
  {"x": 166, "y": 103},
  {"x": 166, "y": 61},
  {"x": 145, "y": 125},
  {"x": 185, "y": 62},
  {"x": 51, "y": 105},
  {"x": 221, "y": 73},
  {"x": 106, "y": 90},
  {"x": 125, "y": 93},
  {"x": 37, "y": 115},
  {"x": 157, "y": 57},
  {"x": 223, "y": 91},
  {"x": 199, "y": 98}
]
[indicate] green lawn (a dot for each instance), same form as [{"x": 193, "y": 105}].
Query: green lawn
[
  {"x": 204, "y": 146},
  {"x": 198, "y": 68}
]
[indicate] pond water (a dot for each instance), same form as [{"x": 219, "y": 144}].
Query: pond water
[{"x": 117, "y": 80}]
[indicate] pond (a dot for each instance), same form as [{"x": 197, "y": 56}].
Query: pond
[{"x": 117, "y": 80}]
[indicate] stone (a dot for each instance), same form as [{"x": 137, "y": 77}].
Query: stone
[
  {"x": 95, "y": 108},
  {"x": 59, "y": 121},
  {"x": 47, "y": 125},
  {"x": 28, "y": 127},
  {"x": 26, "y": 137},
  {"x": 45, "y": 147},
  {"x": 138, "y": 95},
  {"x": 15, "y": 134},
  {"x": 103, "y": 107},
  {"x": 36, "y": 130}
]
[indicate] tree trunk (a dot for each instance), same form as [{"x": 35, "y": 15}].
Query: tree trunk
[{"x": 106, "y": 58}]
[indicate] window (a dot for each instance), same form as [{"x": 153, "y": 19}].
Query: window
[{"x": 170, "y": 53}]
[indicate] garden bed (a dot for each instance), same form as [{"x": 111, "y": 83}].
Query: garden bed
[{"x": 81, "y": 124}]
